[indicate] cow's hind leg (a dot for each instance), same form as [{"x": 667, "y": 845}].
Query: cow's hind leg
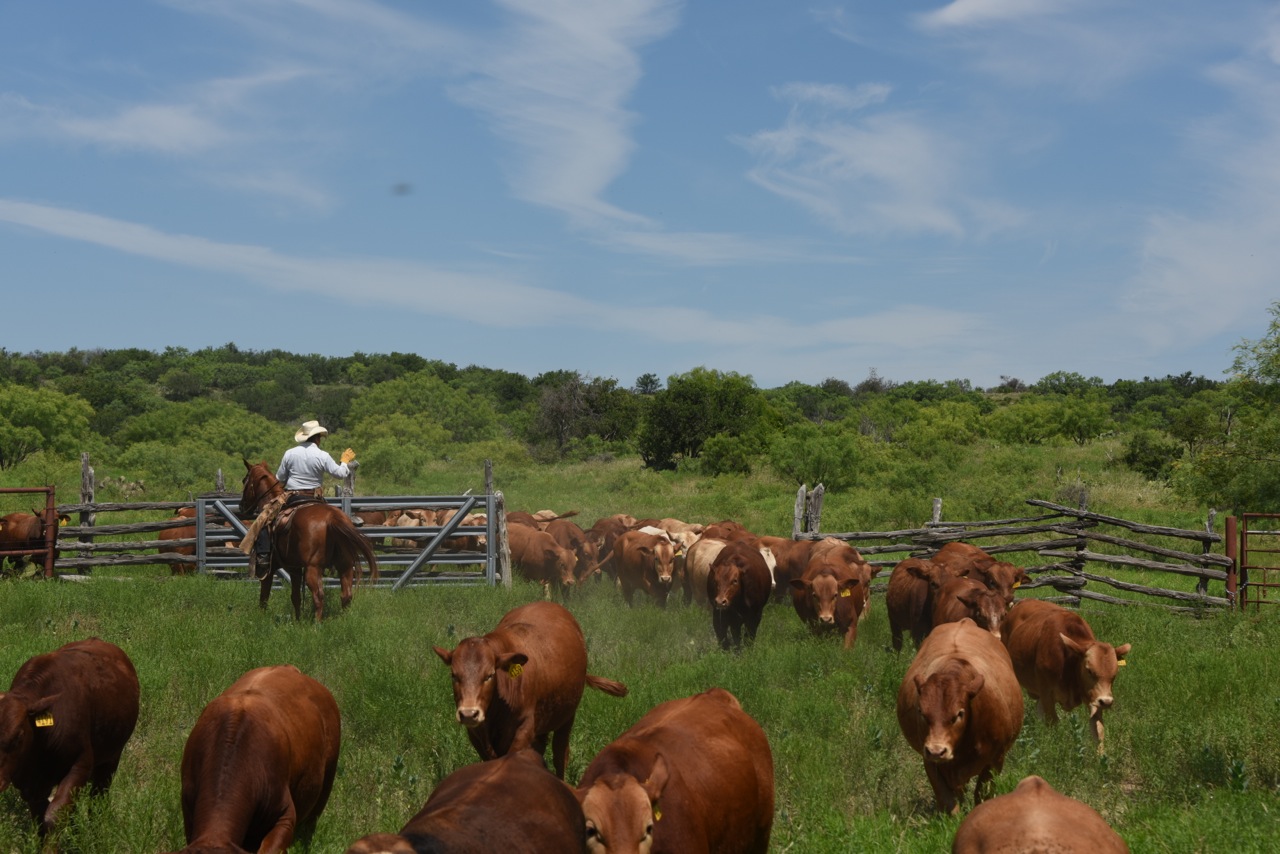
[{"x": 560, "y": 747}]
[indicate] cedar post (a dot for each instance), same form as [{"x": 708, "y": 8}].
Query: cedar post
[
  {"x": 797, "y": 521},
  {"x": 504, "y": 550},
  {"x": 87, "y": 489},
  {"x": 1233, "y": 552}
]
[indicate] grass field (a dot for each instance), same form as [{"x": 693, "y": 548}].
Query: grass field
[{"x": 1193, "y": 760}]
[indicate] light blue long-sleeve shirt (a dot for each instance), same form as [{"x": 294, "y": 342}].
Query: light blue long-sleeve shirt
[{"x": 303, "y": 467}]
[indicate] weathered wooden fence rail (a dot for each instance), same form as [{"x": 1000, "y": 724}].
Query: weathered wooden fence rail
[{"x": 1060, "y": 549}]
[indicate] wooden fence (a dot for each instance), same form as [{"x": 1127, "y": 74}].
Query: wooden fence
[{"x": 1072, "y": 550}]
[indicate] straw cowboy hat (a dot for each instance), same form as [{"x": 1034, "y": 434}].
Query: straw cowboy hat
[{"x": 308, "y": 430}]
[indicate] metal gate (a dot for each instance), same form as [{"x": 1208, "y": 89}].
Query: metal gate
[
  {"x": 1257, "y": 547},
  {"x": 430, "y": 564}
]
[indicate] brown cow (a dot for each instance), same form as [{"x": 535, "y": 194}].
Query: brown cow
[
  {"x": 259, "y": 763},
  {"x": 693, "y": 776},
  {"x": 909, "y": 598},
  {"x": 832, "y": 593},
  {"x": 606, "y": 532},
  {"x": 963, "y": 559},
  {"x": 967, "y": 597},
  {"x": 185, "y": 532},
  {"x": 643, "y": 562},
  {"x": 521, "y": 517},
  {"x": 727, "y": 529},
  {"x": 509, "y": 804},
  {"x": 523, "y": 681},
  {"x": 1060, "y": 662},
  {"x": 570, "y": 535},
  {"x": 738, "y": 587},
  {"x": 64, "y": 722},
  {"x": 1035, "y": 817},
  {"x": 24, "y": 531},
  {"x": 960, "y": 708},
  {"x": 538, "y": 557}
]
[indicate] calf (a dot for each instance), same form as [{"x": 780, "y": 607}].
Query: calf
[
  {"x": 693, "y": 776},
  {"x": 738, "y": 587},
  {"x": 1060, "y": 662},
  {"x": 909, "y": 598},
  {"x": 643, "y": 562},
  {"x": 1034, "y": 817},
  {"x": 259, "y": 763},
  {"x": 523, "y": 681},
  {"x": 958, "y": 598},
  {"x": 538, "y": 557},
  {"x": 832, "y": 593},
  {"x": 508, "y": 804},
  {"x": 64, "y": 723},
  {"x": 960, "y": 708}
]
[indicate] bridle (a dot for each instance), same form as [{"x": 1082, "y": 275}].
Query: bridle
[{"x": 264, "y": 485}]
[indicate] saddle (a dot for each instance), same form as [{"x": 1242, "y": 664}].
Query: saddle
[{"x": 291, "y": 505}]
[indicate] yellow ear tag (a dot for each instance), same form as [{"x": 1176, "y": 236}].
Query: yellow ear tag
[
  {"x": 45, "y": 720},
  {"x": 1017, "y": 584},
  {"x": 657, "y": 814},
  {"x": 514, "y": 671},
  {"x": 1120, "y": 662},
  {"x": 62, "y": 523},
  {"x": 844, "y": 593}
]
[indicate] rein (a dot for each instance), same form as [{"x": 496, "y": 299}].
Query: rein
[{"x": 264, "y": 486}]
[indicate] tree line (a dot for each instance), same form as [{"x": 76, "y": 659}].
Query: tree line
[{"x": 175, "y": 415}]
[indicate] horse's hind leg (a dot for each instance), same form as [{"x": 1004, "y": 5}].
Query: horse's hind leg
[
  {"x": 347, "y": 575},
  {"x": 265, "y": 590},
  {"x": 315, "y": 582}
]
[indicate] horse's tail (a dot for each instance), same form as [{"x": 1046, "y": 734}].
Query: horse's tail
[{"x": 356, "y": 542}]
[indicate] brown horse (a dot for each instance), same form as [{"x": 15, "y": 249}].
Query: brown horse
[{"x": 317, "y": 536}]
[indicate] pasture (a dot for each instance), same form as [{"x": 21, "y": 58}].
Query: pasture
[{"x": 1193, "y": 759}]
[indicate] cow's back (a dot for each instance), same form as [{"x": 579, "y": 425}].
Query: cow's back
[
  {"x": 719, "y": 797},
  {"x": 556, "y": 672},
  {"x": 1031, "y": 635},
  {"x": 271, "y": 738},
  {"x": 509, "y": 804},
  {"x": 1035, "y": 817}
]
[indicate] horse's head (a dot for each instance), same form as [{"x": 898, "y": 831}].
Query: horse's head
[{"x": 259, "y": 483}]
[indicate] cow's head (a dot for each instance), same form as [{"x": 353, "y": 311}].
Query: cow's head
[
  {"x": 565, "y": 561},
  {"x": 984, "y": 605},
  {"x": 1097, "y": 665},
  {"x": 943, "y": 702},
  {"x": 824, "y": 593},
  {"x": 621, "y": 811},
  {"x": 724, "y": 583},
  {"x": 477, "y": 668},
  {"x": 1000, "y": 576},
  {"x": 664, "y": 561},
  {"x": 18, "y": 722}
]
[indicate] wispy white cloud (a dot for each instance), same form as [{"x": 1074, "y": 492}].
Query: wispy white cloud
[
  {"x": 719, "y": 249},
  {"x": 834, "y": 96},
  {"x": 554, "y": 86},
  {"x": 970, "y": 13}
]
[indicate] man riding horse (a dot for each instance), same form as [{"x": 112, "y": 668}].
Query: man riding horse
[{"x": 302, "y": 471}]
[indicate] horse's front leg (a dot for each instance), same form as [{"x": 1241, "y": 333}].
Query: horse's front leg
[
  {"x": 315, "y": 583},
  {"x": 265, "y": 591}
]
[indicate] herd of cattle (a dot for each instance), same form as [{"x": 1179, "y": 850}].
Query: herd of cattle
[{"x": 694, "y": 774}]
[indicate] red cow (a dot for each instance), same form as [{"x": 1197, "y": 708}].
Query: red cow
[
  {"x": 538, "y": 557},
  {"x": 643, "y": 562},
  {"x": 572, "y": 537},
  {"x": 508, "y": 804},
  {"x": 727, "y": 529},
  {"x": 697, "y": 566},
  {"x": 259, "y": 763},
  {"x": 963, "y": 559},
  {"x": 24, "y": 531},
  {"x": 186, "y": 532},
  {"x": 1034, "y": 817},
  {"x": 520, "y": 517},
  {"x": 909, "y": 598},
  {"x": 693, "y": 776},
  {"x": 960, "y": 708},
  {"x": 1060, "y": 662},
  {"x": 606, "y": 532},
  {"x": 967, "y": 597},
  {"x": 738, "y": 588},
  {"x": 64, "y": 722},
  {"x": 523, "y": 681},
  {"x": 832, "y": 592}
]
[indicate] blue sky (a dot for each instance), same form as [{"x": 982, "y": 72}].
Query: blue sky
[{"x": 789, "y": 190}]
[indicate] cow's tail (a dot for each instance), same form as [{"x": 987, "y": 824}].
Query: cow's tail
[
  {"x": 609, "y": 686},
  {"x": 356, "y": 543}
]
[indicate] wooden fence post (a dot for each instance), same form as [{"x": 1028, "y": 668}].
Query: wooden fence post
[
  {"x": 504, "y": 549},
  {"x": 1079, "y": 563},
  {"x": 87, "y": 489},
  {"x": 1230, "y": 534},
  {"x": 813, "y": 513},
  {"x": 936, "y": 518},
  {"x": 1202, "y": 586},
  {"x": 797, "y": 519}
]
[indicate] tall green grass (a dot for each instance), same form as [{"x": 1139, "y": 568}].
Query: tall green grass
[{"x": 1193, "y": 760}]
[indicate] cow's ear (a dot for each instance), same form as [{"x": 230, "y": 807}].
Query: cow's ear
[
  {"x": 445, "y": 655},
  {"x": 1073, "y": 644},
  {"x": 508, "y": 660},
  {"x": 797, "y": 584},
  {"x": 1121, "y": 652},
  {"x": 974, "y": 685},
  {"x": 43, "y": 705},
  {"x": 657, "y": 779}
]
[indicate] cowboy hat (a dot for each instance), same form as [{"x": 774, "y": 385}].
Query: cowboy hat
[{"x": 308, "y": 430}]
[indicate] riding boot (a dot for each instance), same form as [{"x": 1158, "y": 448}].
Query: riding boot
[{"x": 260, "y": 558}]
